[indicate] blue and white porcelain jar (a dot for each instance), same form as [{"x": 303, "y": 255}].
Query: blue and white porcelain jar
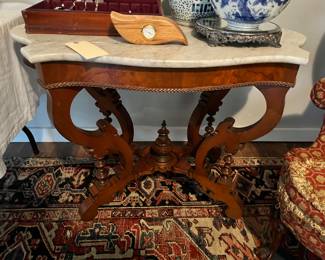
[
  {"x": 247, "y": 15},
  {"x": 186, "y": 12}
]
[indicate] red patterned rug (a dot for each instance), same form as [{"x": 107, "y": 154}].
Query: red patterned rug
[{"x": 157, "y": 217}]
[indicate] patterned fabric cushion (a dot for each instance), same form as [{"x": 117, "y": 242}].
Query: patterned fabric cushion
[
  {"x": 309, "y": 233},
  {"x": 302, "y": 187},
  {"x": 304, "y": 176},
  {"x": 317, "y": 94},
  {"x": 305, "y": 180},
  {"x": 304, "y": 205}
]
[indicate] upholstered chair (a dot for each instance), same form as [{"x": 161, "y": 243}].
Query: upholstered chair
[{"x": 302, "y": 187}]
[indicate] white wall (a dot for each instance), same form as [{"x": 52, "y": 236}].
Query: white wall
[{"x": 301, "y": 120}]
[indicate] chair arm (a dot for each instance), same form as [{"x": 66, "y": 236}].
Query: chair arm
[{"x": 317, "y": 94}]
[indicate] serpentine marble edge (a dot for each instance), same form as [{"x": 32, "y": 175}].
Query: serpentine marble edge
[{"x": 49, "y": 47}]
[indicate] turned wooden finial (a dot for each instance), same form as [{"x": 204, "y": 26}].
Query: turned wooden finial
[
  {"x": 162, "y": 146},
  {"x": 163, "y": 132},
  {"x": 209, "y": 130}
]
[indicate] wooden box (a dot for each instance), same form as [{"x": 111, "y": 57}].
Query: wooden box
[{"x": 81, "y": 17}]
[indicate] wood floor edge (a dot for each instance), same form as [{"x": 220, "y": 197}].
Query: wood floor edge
[{"x": 65, "y": 149}]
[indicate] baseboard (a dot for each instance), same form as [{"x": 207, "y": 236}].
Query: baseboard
[{"x": 149, "y": 133}]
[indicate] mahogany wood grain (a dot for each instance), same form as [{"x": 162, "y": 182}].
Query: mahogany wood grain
[
  {"x": 60, "y": 22},
  {"x": 42, "y": 18},
  {"x": 163, "y": 79}
]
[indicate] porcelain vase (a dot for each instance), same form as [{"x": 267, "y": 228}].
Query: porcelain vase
[
  {"x": 186, "y": 12},
  {"x": 247, "y": 15}
]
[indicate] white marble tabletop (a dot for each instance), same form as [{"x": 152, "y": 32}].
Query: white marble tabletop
[{"x": 50, "y": 47}]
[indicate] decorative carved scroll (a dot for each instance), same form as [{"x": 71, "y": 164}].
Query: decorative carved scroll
[
  {"x": 208, "y": 105},
  {"x": 228, "y": 137},
  {"x": 109, "y": 101},
  {"x": 101, "y": 142}
]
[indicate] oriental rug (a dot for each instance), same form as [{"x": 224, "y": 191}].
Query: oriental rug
[{"x": 157, "y": 217}]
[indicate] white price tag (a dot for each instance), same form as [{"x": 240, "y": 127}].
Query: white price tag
[{"x": 86, "y": 49}]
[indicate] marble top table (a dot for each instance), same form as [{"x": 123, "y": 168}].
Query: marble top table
[
  {"x": 164, "y": 68},
  {"x": 42, "y": 48}
]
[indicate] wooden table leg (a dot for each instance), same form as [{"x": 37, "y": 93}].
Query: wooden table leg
[
  {"x": 228, "y": 137},
  {"x": 105, "y": 140},
  {"x": 100, "y": 143}
]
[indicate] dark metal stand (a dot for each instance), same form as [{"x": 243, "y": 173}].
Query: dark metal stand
[
  {"x": 31, "y": 140},
  {"x": 218, "y": 34}
]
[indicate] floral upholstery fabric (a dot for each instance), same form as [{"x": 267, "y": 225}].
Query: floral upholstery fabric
[{"x": 302, "y": 187}]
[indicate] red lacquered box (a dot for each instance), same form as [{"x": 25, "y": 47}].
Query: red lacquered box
[{"x": 83, "y": 18}]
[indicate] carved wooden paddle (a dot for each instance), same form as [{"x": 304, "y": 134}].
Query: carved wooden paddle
[{"x": 147, "y": 29}]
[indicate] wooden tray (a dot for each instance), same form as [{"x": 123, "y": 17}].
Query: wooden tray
[{"x": 43, "y": 18}]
